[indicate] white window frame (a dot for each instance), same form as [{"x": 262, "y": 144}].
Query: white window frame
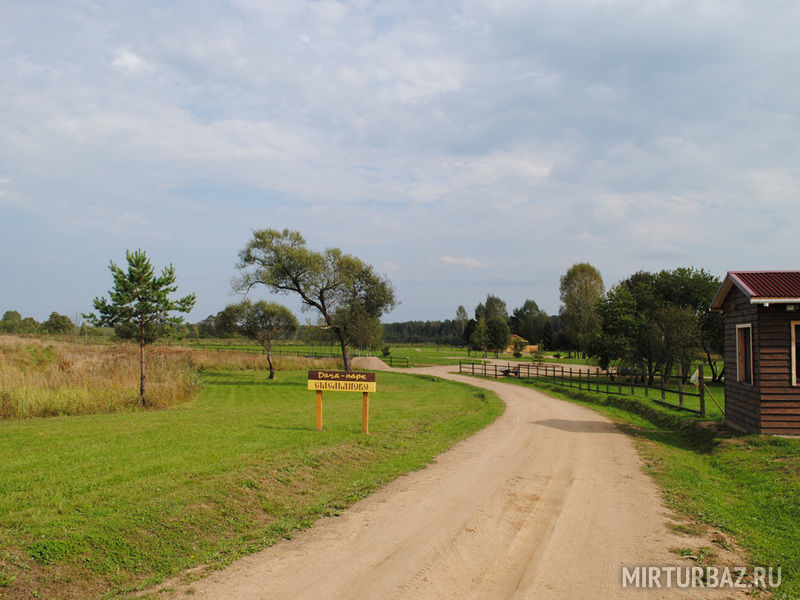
[
  {"x": 794, "y": 325},
  {"x": 738, "y": 350}
]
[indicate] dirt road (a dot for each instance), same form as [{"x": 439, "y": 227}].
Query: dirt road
[{"x": 547, "y": 502}]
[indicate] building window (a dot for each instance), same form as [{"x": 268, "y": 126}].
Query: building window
[
  {"x": 744, "y": 353},
  {"x": 795, "y": 352}
]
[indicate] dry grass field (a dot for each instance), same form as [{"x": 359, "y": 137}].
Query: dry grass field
[{"x": 41, "y": 377}]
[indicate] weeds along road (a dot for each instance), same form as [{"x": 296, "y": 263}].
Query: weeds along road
[{"x": 549, "y": 501}]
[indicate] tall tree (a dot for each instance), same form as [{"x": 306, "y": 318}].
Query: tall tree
[
  {"x": 11, "y": 322},
  {"x": 654, "y": 320},
  {"x": 57, "y": 323},
  {"x": 139, "y": 306},
  {"x": 28, "y": 325},
  {"x": 461, "y": 321},
  {"x": 530, "y": 322},
  {"x": 494, "y": 307},
  {"x": 261, "y": 321},
  {"x": 581, "y": 288},
  {"x": 469, "y": 330},
  {"x": 479, "y": 338},
  {"x": 498, "y": 334},
  {"x": 694, "y": 289},
  {"x": 344, "y": 290}
]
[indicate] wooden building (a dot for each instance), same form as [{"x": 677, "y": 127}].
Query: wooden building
[{"x": 761, "y": 311}]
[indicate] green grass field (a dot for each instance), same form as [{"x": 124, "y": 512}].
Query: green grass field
[
  {"x": 93, "y": 505},
  {"x": 743, "y": 485}
]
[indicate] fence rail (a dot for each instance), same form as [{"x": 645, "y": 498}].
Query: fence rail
[
  {"x": 278, "y": 352},
  {"x": 392, "y": 361},
  {"x": 396, "y": 361},
  {"x": 594, "y": 379}
]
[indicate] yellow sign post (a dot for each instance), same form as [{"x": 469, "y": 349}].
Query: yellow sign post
[{"x": 343, "y": 381}]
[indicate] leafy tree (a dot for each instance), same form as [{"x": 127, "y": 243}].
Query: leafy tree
[
  {"x": 654, "y": 320},
  {"x": 226, "y": 322},
  {"x": 367, "y": 333},
  {"x": 28, "y": 325},
  {"x": 548, "y": 337},
  {"x": 261, "y": 321},
  {"x": 479, "y": 338},
  {"x": 530, "y": 322},
  {"x": 207, "y": 328},
  {"x": 11, "y": 322},
  {"x": 494, "y": 307},
  {"x": 468, "y": 331},
  {"x": 57, "y": 323},
  {"x": 139, "y": 306},
  {"x": 499, "y": 335},
  {"x": 344, "y": 290},
  {"x": 430, "y": 332},
  {"x": 461, "y": 321},
  {"x": 581, "y": 288},
  {"x": 694, "y": 289}
]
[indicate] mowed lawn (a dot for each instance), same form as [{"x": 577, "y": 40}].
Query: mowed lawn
[{"x": 94, "y": 505}]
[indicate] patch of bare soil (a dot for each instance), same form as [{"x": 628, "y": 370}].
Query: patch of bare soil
[{"x": 370, "y": 363}]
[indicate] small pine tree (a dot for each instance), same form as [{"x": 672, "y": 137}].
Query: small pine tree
[{"x": 139, "y": 307}]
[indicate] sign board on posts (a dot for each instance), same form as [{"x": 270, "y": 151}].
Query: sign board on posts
[{"x": 341, "y": 381}]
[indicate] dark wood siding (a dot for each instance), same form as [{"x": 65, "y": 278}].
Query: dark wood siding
[
  {"x": 772, "y": 403},
  {"x": 780, "y": 400},
  {"x": 741, "y": 399}
]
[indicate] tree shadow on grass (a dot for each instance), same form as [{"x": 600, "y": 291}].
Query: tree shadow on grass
[
  {"x": 579, "y": 426},
  {"x": 694, "y": 437},
  {"x": 310, "y": 428}
]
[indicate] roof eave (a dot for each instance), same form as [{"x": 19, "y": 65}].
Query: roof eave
[{"x": 764, "y": 300}]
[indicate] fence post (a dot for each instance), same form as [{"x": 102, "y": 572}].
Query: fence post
[
  {"x": 680, "y": 384},
  {"x": 646, "y": 377},
  {"x": 702, "y": 388},
  {"x": 633, "y": 381}
]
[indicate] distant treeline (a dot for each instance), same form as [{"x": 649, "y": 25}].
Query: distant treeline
[{"x": 423, "y": 332}]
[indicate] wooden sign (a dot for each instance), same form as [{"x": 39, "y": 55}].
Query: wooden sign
[{"x": 343, "y": 381}]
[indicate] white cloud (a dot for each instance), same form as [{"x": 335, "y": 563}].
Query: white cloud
[
  {"x": 128, "y": 60},
  {"x": 464, "y": 261}
]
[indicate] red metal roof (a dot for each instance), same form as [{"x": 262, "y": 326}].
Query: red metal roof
[
  {"x": 768, "y": 284},
  {"x": 760, "y": 286}
]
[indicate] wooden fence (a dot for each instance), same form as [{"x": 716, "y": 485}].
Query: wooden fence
[
  {"x": 278, "y": 352},
  {"x": 595, "y": 379},
  {"x": 398, "y": 361},
  {"x": 392, "y": 361}
]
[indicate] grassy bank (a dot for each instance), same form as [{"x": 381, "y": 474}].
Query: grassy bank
[
  {"x": 97, "y": 504},
  {"x": 743, "y": 485}
]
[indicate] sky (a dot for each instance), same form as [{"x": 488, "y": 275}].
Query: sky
[{"x": 460, "y": 147}]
